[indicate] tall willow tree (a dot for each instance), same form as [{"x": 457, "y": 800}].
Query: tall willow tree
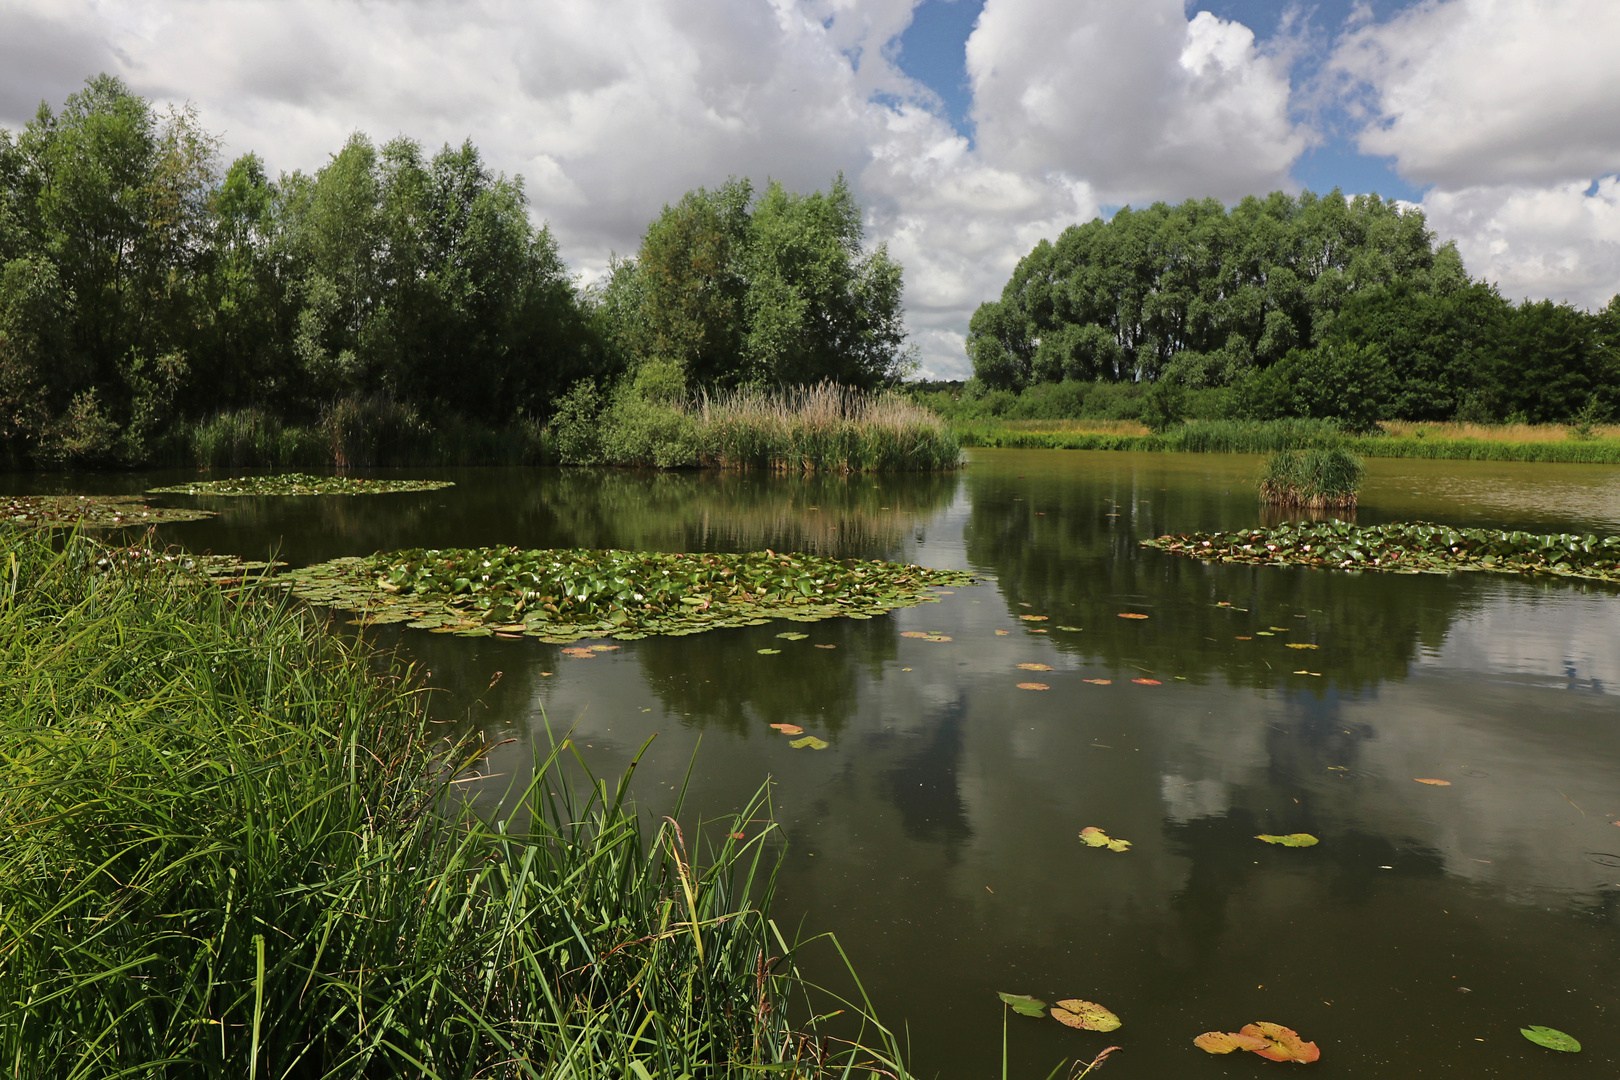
[
  {"x": 734, "y": 289},
  {"x": 105, "y": 222},
  {"x": 141, "y": 283}
]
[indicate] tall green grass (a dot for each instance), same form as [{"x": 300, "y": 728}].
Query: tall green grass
[
  {"x": 825, "y": 428},
  {"x": 234, "y": 846},
  {"x": 1320, "y": 478},
  {"x": 1270, "y": 436},
  {"x": 355, "y": 433}
]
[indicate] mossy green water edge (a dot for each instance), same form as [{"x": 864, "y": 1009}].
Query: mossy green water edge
[
  {"x": 299, "y": 484},
  {"x": 1405, "y": 548},
  {"x": 89, "y": 511},
  {"x": 564, "y": 595}
]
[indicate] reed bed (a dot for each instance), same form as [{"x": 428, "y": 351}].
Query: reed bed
[
  {"x": 1508, "y": 433},
  {"x": 354, "y": 433},
  {"x": 1321, "y": 478},
  {"x": 1265, "y": 437},
  {"x": 235, "y": 848},
  {"x": 825, "y": 428}
]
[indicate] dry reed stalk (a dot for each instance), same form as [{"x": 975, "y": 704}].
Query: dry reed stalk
[{"x": 1507, "y": 433}]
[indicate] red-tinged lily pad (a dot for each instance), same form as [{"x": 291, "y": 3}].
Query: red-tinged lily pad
[
  {"x": 1095, "y": 837},
  {"x": 1148, "y": 682},
  {"x": 1034, "y": 667},
  {"x": 1002, "y": 633},
  {"x": 826, "y": 646},
  {"x": 789, "y": 729},
  {"x": 1295, "y": 839},
  {"x": 1131, "y": 615},
  {"x": 1023, "y": 1004},
  {"x": 1033, "y": 686},
  {"x": 1099, "y": 682},
  {"x": 1086, "y": 1015},
  {"x": 1224, "y": 1042},
  {"x": 1282, "y": 1044},
  {"x": 1551, "y": 1038},
  {"x": 1033, "y": 618},
  {"x": 1432, "y": 780}
]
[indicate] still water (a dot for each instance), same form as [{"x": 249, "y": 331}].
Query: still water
[{"x": 937, "y": 835}]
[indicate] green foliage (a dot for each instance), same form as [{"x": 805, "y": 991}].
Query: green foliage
[
  {"x": 774, "y": 290},
  {"x": 1309, "y": 306},
  {"x": 1319, "y": 478},
  {"x": 143, "y": 287},
  {"x": 235, "y": 848}
]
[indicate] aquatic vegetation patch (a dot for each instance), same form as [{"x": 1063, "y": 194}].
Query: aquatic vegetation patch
[
  {"x": 90, "y": 511},
  {"x": 299, "y": 484},
  {"x": 1318, "y": 478},
  {"x": 1406, "y": 548},
  {"x": 568, "y": 594}
]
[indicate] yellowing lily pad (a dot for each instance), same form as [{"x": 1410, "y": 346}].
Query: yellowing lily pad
[
  {"x": 1131, "y": 615},
  {"x": 1224, "y": 1042},
  {"x": 1301, "y": 645},
  {"x": 1432, "y": 781},
  {"x": 1033, "y": 686},
  {"x": 1035, "y": 667},
  {"x": 768, "y": 652},
  {"x": 810, "y": 742},
  {"x": 792, "y": 636},
  {"x": 1298, "y": 839},
  {"x": 1086, "y": 1015},
  {"x": 1095, "y": 837}
]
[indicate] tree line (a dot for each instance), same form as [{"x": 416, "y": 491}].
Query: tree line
[
  {"x": 144, "y": 283},
  {"x": 1305, "y": 305}
]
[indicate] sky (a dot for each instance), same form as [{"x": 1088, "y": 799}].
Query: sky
[{"x": 968, "y": 129}]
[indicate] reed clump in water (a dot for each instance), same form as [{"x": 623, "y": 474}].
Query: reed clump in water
[
  {"x": 234, "y": 849},
  {"x": 825, "y": 428},
  {"x": 1319, "y": 478}
]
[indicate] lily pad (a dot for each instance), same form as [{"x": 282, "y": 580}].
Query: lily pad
[
  {"x": 769, "y": 652},
  {"x": 564, "y": 595},
  {"x": 1035, "y": 667},
  {"x": 1282, "y": 1044},
  {"x": 1023, "y": 1004},
  {"x": 1224, "y": 1042},
  {"x": 791, "y": 636},
  {"x": 1033, "y": 686},
  {"x": 1301, "y": 645},
  {"x": 809, "y": 742},
  {"x": 1086, "y": 1015},
  {"x": 299, "y": 484},
  {"x": 90, "y": 512},
  {"x": 1551, "y": 1038},
  {"x": 1297, "y": 839},
  {"x": 789, "y": 729},
  {"x": 1131, "y": 615},
  {"x": 1431, "y": 781},
  {"x": 1095, "y": 837}
]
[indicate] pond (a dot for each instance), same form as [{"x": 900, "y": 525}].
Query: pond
[{"x": 937, "y": 835}]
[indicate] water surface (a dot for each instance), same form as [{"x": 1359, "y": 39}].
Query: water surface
[{"x": 937, "y": 836}]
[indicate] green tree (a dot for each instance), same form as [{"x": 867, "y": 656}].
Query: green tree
[{"x": 771, "y": 290}]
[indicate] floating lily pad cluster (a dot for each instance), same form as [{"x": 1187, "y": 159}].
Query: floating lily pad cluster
[
  {"x": 1410, "y": 548},
  {"x": 89, "y": 511},
  {"x": 565, "y": 595},
  {"x": 224, "y": 569},
  {"x": 299, "y": 484}
]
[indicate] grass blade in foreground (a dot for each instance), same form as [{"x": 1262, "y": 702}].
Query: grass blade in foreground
[{"x": 233, "y": 849}]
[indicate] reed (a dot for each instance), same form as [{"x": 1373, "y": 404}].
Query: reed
[
  {"x": 235, "y": 848},
  {"x": 826, "y": 428},
  {"x": 355, "y": 433},
  {"x": 1320, "y": 478}
]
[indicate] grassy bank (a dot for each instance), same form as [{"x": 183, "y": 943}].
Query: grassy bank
[
  {"x": 1264, "y": 437},
  {"x": 234, "y": 849},
  {"x": 826, "y": 428}
]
